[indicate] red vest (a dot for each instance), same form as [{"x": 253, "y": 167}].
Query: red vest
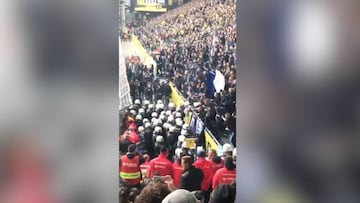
[
  {"x": 177, "y": 169},
  {"x": 129, "y": 170},
  {"x": 224, "y": 176}
]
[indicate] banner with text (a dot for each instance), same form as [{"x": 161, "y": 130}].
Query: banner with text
[{"x": 151, "y": 6}]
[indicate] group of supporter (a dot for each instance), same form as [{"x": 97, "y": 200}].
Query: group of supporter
[
  {"x": 143, "y": 84},
  {"x": 192, "y": 40},
  {"x": 155, "y": 163},
  {"x": 152, "y": 149},
  {"x": 159, "y": 180}
]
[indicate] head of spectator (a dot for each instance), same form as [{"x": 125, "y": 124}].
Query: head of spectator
[
  {"x": 227, "y": 149},
  {"x": 133, "y": 193},
  {"x": 211, "y": 154},
  {"x": 180, "y": 196},
  {"x": 223, "y": 193},
  {"x": 164, "y": 151},
  {"x": 154, "y": 192},
  {"x": 186, "y": 162},
  {"x": 179, "y": 157},
  {"x": 146, "y": 157},
  {"x": 131, "y": 149},
  {"x": 229, "y": 163},
  {"x": 123, "y": 192},
  {"x": 201, "y": 153}
]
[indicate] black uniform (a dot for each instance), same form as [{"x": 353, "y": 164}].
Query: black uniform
[{"x": 191, "y": 179}]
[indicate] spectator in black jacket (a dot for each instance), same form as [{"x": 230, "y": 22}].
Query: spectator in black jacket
[{"x": 191, "y": 177}]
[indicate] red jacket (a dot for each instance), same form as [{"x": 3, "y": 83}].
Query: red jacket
[
  {"x": 160, "y": 166},
  {"x": 224, "y": 176},
  {"x": 145, "y": 166},
  {"x": 130, "y": 170},
  {"x": 217, "y": 166},
  {"x": 177, "y": 170},
  {"x": 207, "y": 169}
]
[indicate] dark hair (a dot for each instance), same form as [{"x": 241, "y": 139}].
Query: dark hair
[
  {"x": 229, "y": 163},
  {"x": 163, "y": 149},
  {"x": 216, "y": 159},
  {"x": 133, "y": 193},
  {"x": 223, "y": 193},
  {"x": 154, "y": 192},
  {"x": 187, "y": 159},
  {"x": 131, "y": 148},
  {"x": 181, "y": 155}
]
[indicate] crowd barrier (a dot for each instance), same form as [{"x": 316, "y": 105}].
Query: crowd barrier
[
  {"x": 124, "y": 88},
  {"x": 195, "y": 123}
]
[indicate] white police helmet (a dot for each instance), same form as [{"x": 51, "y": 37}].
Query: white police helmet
[
  {"x": 138, "y": 117},
  {"x": 181, "y": 138},
  {"x": 158, "y": 129},
  {"x": 145, "y": 120},
  {"x": 179, "y": 123},
  {"x": 147, "y": 125},
  {"x": 227, "y": 147},
  {"x": 172, "y": 129},
  {"x": 158, "y": 122},
  {"x": 154, "y": 115},
  {"x": 137, "y": 101},
  {"x": 185, "y": 127},
  {"x": 141, "y": 129},
  {"x": 162, "y": 117},
  {"x": 184, "y": 132},
  {"x": 159, "y": 138},
  {"x": 178, "y": 115},
  {"x": 141, "y": 110}
]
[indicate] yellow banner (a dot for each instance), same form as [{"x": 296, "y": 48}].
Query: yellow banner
[
  {"x": 175, "y": 97},
  {"x": 187, "y": 118},
  {"x": 209, "y": 142},
  {"x": 142, "y": 53},
  {"x": 190, "y": 143}
]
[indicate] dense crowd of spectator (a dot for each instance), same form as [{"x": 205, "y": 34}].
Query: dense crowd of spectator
[
  {"x": 192, "y": 40},
  {"x": 187, "y": 43}
]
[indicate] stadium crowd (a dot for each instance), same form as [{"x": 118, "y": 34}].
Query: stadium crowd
[
  {"x": 156, "y": 164},
  {"x": 188, "y": 43}
]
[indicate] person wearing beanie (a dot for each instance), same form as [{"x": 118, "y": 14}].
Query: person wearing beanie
[
  {"x": 227, "y": 174},
  {"x": 180, "y": 196},
  {"x": 207, "y": 169},
  {"x": 160, "y": 165},
  {"x": 223, "y": 193},
  {"x": 129, "y": 167},
  {"x": 191, "y": 177}
]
